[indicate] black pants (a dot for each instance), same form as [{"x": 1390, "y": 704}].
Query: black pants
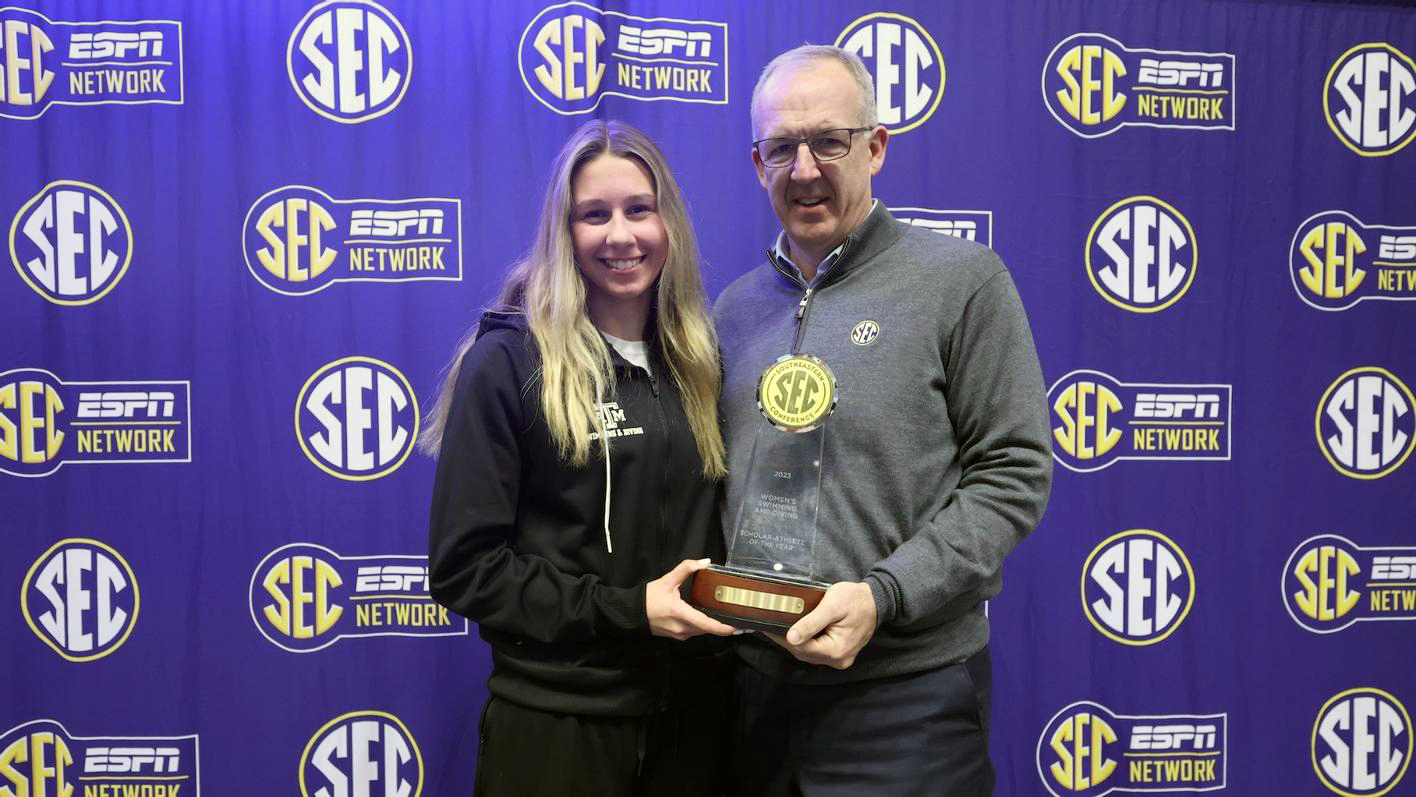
[
  {"x": 921, "y": 734},
  {"x": 525, "y": 752}
]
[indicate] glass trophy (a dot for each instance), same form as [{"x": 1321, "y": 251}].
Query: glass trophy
[{"x": 768, "y": 581}]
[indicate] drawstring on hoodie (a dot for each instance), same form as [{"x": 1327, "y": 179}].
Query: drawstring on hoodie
[{"x": 605, "y": 449}]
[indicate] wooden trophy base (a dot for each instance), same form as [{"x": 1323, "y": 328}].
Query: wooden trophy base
[{"x": 756, "y": 601}]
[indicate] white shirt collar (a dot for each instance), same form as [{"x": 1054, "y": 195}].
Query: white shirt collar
[{"x": 780, "y": 249}]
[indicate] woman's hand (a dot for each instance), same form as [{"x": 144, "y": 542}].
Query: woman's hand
[{"x": 669, "y": 614}]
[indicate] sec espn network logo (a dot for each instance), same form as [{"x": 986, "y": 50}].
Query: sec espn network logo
[
  {"x": 81, "y": 598},
  {"x": 1362, "y": 743},
  {"x": 971, "y": 225},
  {"x": 1333, "y": 253},
  {"x": 71, "y": 242},
  {"x": 1141, "y": 254},
  {"x": 41, "y": 758},
  {"x": 298, "y": 240},
  {"x": 1101, "y": 420},
  {"x": 1089, "y": 80},
  {"x": 46, "y": 423},
  {"x": 1330, "y": 582},
  {"x": 359, "y": 754},
  {"x": 1088, "y": 751},
  {"x": 349, "y": 60},
  {"x": 906, "y": 65},
  {"x": 1137, "y": 587},
  {"x": 44, "y": 63},
  {"x": 573, "y": 55},
  {"x": 1369, "y": 99},
  {"x": 1366, "y": 423},
  {"x": 357, "y": 418},
  {"x": 301, "y": 595}
]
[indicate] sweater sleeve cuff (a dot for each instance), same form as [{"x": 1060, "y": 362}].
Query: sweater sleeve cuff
[
  {"x": 624, "y": 608},
  {"x": 887, "y": 597}
]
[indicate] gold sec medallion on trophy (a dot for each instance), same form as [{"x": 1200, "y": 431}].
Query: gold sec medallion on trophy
[{"x": 796, "y": 392}]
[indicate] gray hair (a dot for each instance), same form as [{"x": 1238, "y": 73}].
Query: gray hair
[{"x": 808, "y": 54}]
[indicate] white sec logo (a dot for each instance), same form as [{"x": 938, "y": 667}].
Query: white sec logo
[{"x": 349, "y": 60}]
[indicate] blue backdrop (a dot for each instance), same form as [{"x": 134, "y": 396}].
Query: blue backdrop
[{"x": 245, "y": 236}]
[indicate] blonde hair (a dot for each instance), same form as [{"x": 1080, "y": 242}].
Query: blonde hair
[{"x": 576, "y": 370}]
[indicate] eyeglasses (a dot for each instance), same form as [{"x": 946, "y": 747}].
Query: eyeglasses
[{"x": 827, "y": 145}]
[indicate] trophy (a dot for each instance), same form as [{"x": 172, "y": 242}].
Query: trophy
[{"x": 768, "y": 583}]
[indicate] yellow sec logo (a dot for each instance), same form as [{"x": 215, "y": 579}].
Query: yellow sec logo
[{"x": 796, "y": 393}]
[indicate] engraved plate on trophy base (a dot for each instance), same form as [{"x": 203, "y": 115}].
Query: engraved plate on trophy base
[{"x": 753, "y": 600}]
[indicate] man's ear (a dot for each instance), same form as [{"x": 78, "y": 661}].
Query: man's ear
[
  {"x": 761, "y": 170},
  {"x": 879, "y": 140}
]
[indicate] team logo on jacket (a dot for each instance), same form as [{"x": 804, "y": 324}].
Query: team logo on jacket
[
  {"x": 81, "y": 598},
  {"x": 971, "y": 225},
  {"x": 71, "y": 242},
  {"x": 44, "y": 62},
  {"x": 613, "y": 420},
  {"x": 305, "y": 597},
  {"x": 1337, "y": 261},
  {"x": 1362, "y": 742},
  {"x": 349, "y": 60},
  {"x": 362, "y": 753},
  {"x": 1330, "y": 582},
  {"x": 1101, "y": 420},
  {"x": 573, "y": 55},
  {"x": 1366, "y": 423},
  {"x": 1369, "y": 99},
  {"x": 1086, "y": 750},
  {"x": 1094, "y": 85},
  {"x": 865, "y": 333},
  {"x": 46, "y": 422},
  {"x": 298, "y": 240},
  {"x": 905, "y": 63},
  {"x": 1141, "y": 254},
  {"x": 40, "y": 758},
  {"x": 1137, "y": 587},
  {"x": 357, "y": 418}
]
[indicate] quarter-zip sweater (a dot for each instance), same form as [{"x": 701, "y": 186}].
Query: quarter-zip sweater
[
  {"x": 517, "y": 536},
  {"x": 937, "y": 458}
]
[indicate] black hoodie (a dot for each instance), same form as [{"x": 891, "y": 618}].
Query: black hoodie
[{"x": 518, "y": 541}]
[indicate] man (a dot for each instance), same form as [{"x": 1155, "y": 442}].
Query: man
[{"x": 936, "y": 462}]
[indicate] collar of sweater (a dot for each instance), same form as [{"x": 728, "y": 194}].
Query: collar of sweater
[{"x": 878, "y": 232}]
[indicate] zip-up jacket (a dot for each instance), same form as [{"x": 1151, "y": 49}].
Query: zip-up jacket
[
  {"x": 937, "y": 458},
  {"x": 518, "y": 538}
]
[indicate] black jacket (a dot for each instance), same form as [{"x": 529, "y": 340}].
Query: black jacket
[{"x": 517, "y": 539}]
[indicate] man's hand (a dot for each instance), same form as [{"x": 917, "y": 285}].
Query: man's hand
[
  {"x": 670, "y": 615},
  {"x": 835, "y": 631}
]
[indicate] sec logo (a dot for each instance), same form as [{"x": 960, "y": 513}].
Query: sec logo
[
  {"x": 360, "y": 754},
  {"x": 1141, "y": 254},
  {"x": 796, "y": 393},
  {"x": 906, "y": 65},
  {"x": 1362, "y": 743},
  {"x": 81, "y": 598},
  {"x": 357, "y": 418},
  {"x": 349, "y": 60},
  {"x": 1366, "y": 423},
  {"x": 1368, "y": 99},
  {"x": 1137, "y": 587},
  {"x": 71, "y": 243}
]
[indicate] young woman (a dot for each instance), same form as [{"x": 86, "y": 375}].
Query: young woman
[{"x": 576, "y": 490}]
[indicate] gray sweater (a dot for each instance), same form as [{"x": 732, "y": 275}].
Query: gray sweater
[{"x": 938, "y": 457}]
